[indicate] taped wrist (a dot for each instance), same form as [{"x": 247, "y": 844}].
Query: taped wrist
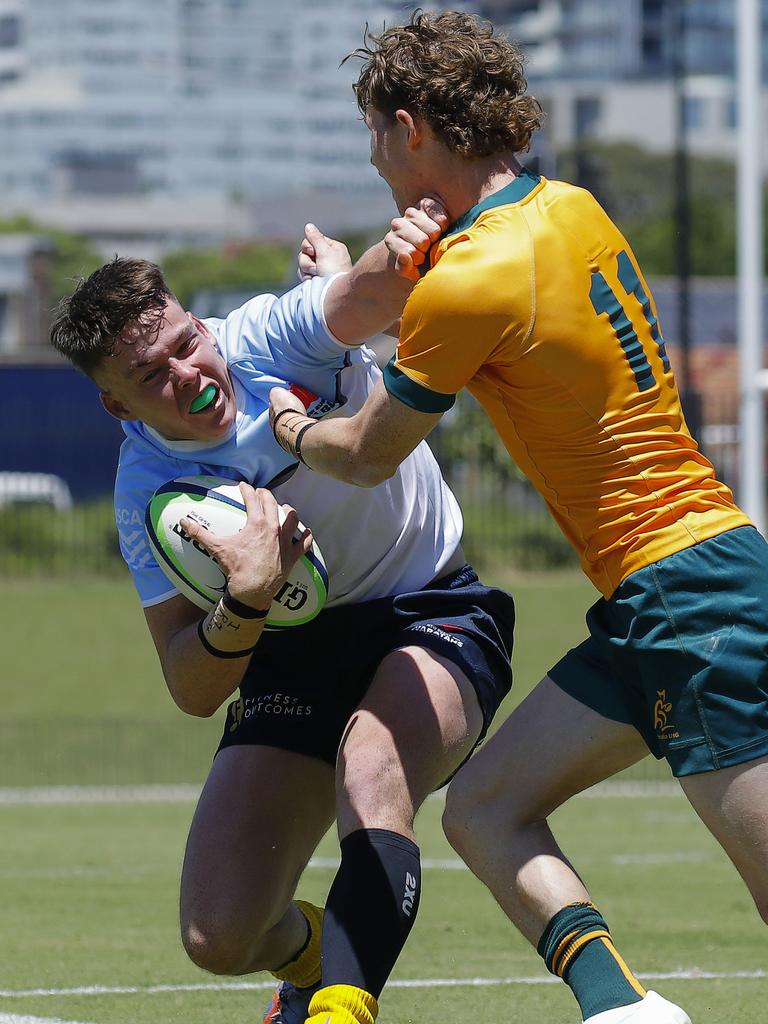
[
  {"x": 289, "y": 428},
  {"x": 227, "y": 633},
  {"x": 242, "y": 611}
]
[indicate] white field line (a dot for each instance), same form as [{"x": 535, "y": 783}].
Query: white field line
[
  {"x": 24, "y": 796},
  {"x": 619, "y": 859},
  {"x": 14, "y": 1018},
  {"x": 427, "y": 863},
  {"x": 671, "y": 857},
  {"x": 69, "y": 871},
  {"x": 328, "y": 864},
  {"x": 688, "y": 974}
]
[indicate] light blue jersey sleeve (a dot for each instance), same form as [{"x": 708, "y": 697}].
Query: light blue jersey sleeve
[
  {"x": 138, "y": 477},
  {"x": 286, "y": 336},
  {"x": 267, "y": 341}
]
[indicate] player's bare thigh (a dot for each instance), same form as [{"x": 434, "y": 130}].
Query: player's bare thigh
[
  {"x": 733, "y": 804},
  {"x": 418, "y": 721},
  {"x": 261, "y": 814},
  {"x": 550, "y": 748}
]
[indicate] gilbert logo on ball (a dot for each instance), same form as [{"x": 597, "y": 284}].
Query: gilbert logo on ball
[{"x": 218, "y": 505}]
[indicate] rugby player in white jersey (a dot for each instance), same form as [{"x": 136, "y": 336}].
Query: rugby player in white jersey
[{"x": 357, "y": 715}]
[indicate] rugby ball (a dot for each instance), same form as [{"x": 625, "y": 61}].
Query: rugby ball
[{"x": 218, "y": 505}]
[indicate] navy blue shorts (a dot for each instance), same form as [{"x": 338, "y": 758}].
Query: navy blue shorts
[
  {"x": 680, "y": 651},
  {"x": 303, "y": 684}
]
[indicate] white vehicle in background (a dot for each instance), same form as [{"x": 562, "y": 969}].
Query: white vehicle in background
[{"x": 34, "y": 488}]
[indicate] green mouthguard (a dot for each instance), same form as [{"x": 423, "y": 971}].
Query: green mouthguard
[{"x": 204, "y": 399}]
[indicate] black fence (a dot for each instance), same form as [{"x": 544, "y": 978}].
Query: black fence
[{"x": 43, "y": 532}]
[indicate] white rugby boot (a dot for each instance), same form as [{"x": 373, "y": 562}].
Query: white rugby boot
[{"x": 651, "y": 1009}]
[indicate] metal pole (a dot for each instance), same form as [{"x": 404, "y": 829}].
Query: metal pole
[
  {"x": 682, "y": 201},
  {"x": 750, "y": 261},
  {"x": 691, "y": 398}
]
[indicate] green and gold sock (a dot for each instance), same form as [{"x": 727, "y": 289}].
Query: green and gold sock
[{"x": 577, "y": 947}]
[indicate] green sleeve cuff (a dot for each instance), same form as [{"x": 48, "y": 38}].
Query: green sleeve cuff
[{"x": 412, "y": 394}]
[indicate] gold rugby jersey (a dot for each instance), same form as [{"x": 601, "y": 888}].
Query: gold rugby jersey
[{"x": 535, "y": 302}]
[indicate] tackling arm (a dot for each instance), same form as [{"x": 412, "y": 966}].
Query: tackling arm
[
  {"x": 366, "y": 300},
  {"x": 370, "y": 298},
  {"x": 367, "y": 448},
  {"x": 364, "y": 449}
]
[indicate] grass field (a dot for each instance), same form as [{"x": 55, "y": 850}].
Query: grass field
[
  {"x": 84, "y": 701},
  {"x": 89, "y": 890},
  {"x": 89, "y": 918}
]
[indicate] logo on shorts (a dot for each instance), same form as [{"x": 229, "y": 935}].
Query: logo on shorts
[
  {"x": 267, "y": 705},
  {"x": 443, "y": 632},
  {"x": 236, "y": 711},
  {"x": 662, "y": 709}
]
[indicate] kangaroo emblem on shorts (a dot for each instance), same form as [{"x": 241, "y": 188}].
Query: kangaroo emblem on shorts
[{"x": 661, "y": 712}]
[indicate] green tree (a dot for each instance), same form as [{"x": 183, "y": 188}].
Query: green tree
[
  {"x": 242, "y": 266},
  {"x": 74, "y": 256},
  {"x": 637, "y": 189}
]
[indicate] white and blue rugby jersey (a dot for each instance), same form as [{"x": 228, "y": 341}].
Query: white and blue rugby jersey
[{"x": 377, "y": 541}]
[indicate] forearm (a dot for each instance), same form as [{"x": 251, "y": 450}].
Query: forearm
[
  {"x": 367, "y": 300},
  {"x": 339, "y": 448},
  {"x": 204, "y": 662},
  {"x": 364, "y": 449}
]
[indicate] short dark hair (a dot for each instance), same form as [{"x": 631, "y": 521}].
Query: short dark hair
[
  {"x": 88, "y": 324},
  {"x": 465, "y": 79}
]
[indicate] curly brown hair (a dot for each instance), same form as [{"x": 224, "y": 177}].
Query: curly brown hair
[
  {"x": 456, "y": 72},
  {"x": 88, "y": 324}
]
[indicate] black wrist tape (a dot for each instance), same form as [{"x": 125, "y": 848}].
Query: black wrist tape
[
  {"x": 283, "y": 412},
  {"x": 215, "y": 650},
  {"x": 243, "y": 611},
  {"x": 299, "y": 438}
]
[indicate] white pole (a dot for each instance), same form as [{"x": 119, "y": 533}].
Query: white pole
[{"x": 750, "y": 260}]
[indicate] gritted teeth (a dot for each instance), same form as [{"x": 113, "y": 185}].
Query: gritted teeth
[{"x": 206, "y": 398}]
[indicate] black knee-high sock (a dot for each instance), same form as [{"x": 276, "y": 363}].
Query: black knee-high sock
[{"x": 370, "y": 909}]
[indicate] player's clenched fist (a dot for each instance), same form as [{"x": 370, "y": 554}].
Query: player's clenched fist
[
  {"x": 414, "y": 234},
  {"x": 321, "y": 256}
]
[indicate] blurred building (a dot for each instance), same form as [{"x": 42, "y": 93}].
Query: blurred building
[
  {"x": 605, "y": 71},
  {"x": 173, "y": 115},
  {"x": 623, "y": 39},
  {"x": 157, "y": 123}
]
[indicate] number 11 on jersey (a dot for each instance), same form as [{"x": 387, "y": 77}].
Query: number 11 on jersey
[{"x": 605, "y": 300}]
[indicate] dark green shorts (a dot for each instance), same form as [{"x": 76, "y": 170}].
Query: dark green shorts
[{"x": 680, "y": 651}]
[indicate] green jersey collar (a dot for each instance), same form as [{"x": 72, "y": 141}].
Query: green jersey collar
[{"x": 516, "y": 190}]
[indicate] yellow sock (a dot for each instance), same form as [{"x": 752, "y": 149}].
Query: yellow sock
[
  {"x": 342, "y": 1004},
  {"x": 304, "y": 970}
]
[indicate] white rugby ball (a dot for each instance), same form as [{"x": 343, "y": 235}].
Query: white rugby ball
[{"x": 218, "y": 505}]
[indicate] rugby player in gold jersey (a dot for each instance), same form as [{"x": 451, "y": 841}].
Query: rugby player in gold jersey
[{"x": 534, "y": 301}]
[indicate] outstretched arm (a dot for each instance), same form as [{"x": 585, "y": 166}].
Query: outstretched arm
[
  {"x": 371, "y": 296},
  {"x": 366, "y": 449}
]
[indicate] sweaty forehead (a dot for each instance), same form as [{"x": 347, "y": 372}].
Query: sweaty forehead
[
  {"x": 150, "y": 333},
  {"x": 148, "y": 328}
]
